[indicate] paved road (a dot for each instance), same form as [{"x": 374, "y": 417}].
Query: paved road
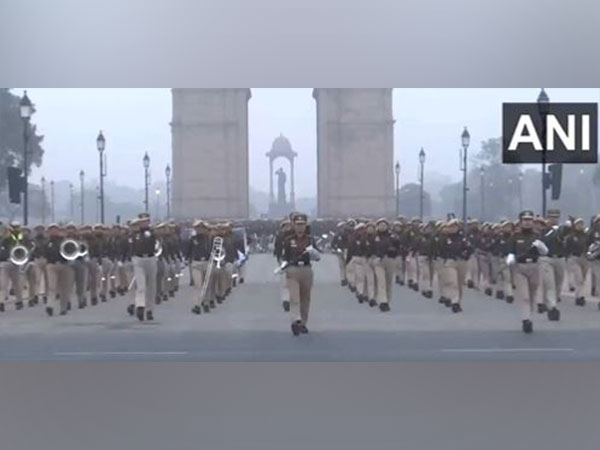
[{"x": 251, "y": 326}]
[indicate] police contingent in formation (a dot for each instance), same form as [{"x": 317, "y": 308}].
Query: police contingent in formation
[
  {"x": 65, "y": 266},
  {"x": 532, "y": 261}
]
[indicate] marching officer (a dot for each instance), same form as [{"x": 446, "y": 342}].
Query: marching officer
[
  {"x": 525, "y": 248},
  {"x": 10, "y": 272},
  {"x": 59, "y": 272},
  {"x": 384, "y": 253},
  {"x": 285, "y": 230},
  {"x": 143, "y": 242},
  {"x": 298, "y": 252},
  {"x": 552, "y": 265}
]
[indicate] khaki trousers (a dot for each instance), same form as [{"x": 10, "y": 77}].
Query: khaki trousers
[
  {"x": 578, "y": 270},
  {"x": 425, "y": 279},
  {"x": 595, "y": 271},
  {"x": 401, "y": 268},
  {"x": 198, "y": 274},
  {"x": 484, "y": 280},
  {"x": 60, "y": 286},
  {"x": 351, "y": 272},
  {"x": 453, "y": 274},
  {"x": 496, "y": 273},
  {"x": 365, "y": 277},
  {"x": 342, "y": 265},
  {"x": 160, "y": 277},
  {"x": 527, "y": 280},
  {"x": 473, "y": 270},
  {"x": 80, "y": 274},
  {"x": 285, "y": 293},
  {"x": 144, "y": 269},
  {"x": 93, "y": 277},
  {"x": 299, "y": 281},
  {"x": 10, "y": 275},
  {"x": 384, "y": 269},
  {"x": 552, "y": 271},
  {"x": 412, "y": 268}
]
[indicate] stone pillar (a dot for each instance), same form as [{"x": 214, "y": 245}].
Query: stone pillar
[
  {"x": 271, "y": 194},
  {"x": 293, "y": 189},
  {"x": 355, "y": 152},
  {"x": 210, "y": 153}
]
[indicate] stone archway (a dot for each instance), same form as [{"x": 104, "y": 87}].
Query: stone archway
[{"x": 355, "y": 151}]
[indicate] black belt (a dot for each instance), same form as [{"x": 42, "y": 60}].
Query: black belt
[
  {"x": 200, "y": 259},
  {"x": 527, "y": 260},
  {"x": 300, "y": 263},
  {"x": 144, "y": 255}
]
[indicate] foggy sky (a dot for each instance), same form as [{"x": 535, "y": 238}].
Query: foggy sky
[{"x": 137, "y": 120}]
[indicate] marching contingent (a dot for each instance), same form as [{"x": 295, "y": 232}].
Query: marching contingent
[{"x": 534, "y": 261}]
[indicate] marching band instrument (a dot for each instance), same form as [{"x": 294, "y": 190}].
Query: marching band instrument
[
  {"x": 70, "y": 249},
  {"x": 19, "y": 255},
  {"x": 217, "y": 254},
  {"x": 158, "y": 248}
]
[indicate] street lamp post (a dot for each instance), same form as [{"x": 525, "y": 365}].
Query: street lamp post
[
  {"x": 157, "y": 210},
  {"x": 26, "y": 110},
  {"x": 146, "y": 161},
  {"x": 465, "y": 140},
  {"x": 168, "y": 175},
  {"x": 422, "y": 179},
  {"x": 52, "y": 201},
  {"x": 72, "y": 201},
  {"x": 43, "y": 201},
  {"x": 397, "y": 171},
  {"x": 81, "y": 184},
  {"x": 101, "y": 145},
  {"x": 543, "y": 106},
  {"x": 520, "y": 191},
  {"x": 482, "y": 211}
]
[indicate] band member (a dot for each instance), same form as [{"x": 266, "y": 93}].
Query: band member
[
  {"x": 412, "y": 262},
  {"x": 473, "y": 269},
  {"x": 78, "y": 267},
  {"x": 94, "y": 238},
  {"x": 423, "y": 246},
  {"x": 504, "y": 272},
  {"x": 576, "y": 244},
  {"x": 298, "y": 252},
  {"x": 525, "y": 248},
  {"x": 593, "y": 255},
  {"x": 59, "y": 273},
  {"x": 10, "y": 272},
  {"x": 384, "y": 254},
  {"x": 161, "y": 264},
  {"x": 143, "y": 243},
  {"x": 198, "y": 255}
]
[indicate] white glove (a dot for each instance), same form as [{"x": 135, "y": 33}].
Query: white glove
[
  {"x": 510, "y": 259},
  {"x": 540, "y": 246}
]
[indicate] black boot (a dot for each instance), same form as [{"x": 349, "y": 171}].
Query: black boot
[
  {"x": 158, "y": 300},
  {"x": 31, "y": 303},
  {"x": 171, "y": 294},
  {"x": 372, "y": 303},
  {"x": 18, "y": 305},
  {"x": 344, "y": 283},
  {"x": 415, "y": 287},
  {"x": 442, "y": 300},
  {"x": 103, "y": 298},
  {"x": 205, "y": 308},
  {"x": 470, "y": 284},
  {"x": 139, "y": 312},
  {"x": 510, "y": 299},
  {"x": 1, "y": 306},
  {"x": 456, "y": 308},
  {"x": 212, "y": 304},
  {"x": 149, "y": 315},
  {"x": 68, "y": 306},
  {"x": 303, "y": 329},
  {"x": 488, "y": 291},
  {"x": 131, "y": 310},
  {"x": 81, "y": 304},
  {"x": 580, "y": 301},
  {"x": 384, "y": 307},
  {"x": 554, "y": 315},
  {"x": 527, "y": 326},
  {"x": 296, "y": 327},
  {"x": 196, "y": 310},
  {"x": 541, "y": 308},
  {"x": 500, "y": 295},
  {"x": 286, "y": 306},
  {"x": 49, "y": 310},
  {"x": 94, "y": 301},
  {"x": 112, "y": 294}
]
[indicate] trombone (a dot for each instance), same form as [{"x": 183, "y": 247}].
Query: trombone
[{"x": 217, "y": 254}]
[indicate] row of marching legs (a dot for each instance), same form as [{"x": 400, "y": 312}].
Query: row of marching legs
[
  {"x": 61, "y": 285},
  {"x": 371, "y": 279},
  {"x": 218, "y": 286}
]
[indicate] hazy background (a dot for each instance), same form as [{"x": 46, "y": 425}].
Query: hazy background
[{"x": 137, "y": 120}]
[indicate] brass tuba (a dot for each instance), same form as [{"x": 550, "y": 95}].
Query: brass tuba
[
  {"x": 70, "y": 249},
  {"x": 19, "y": 255}
]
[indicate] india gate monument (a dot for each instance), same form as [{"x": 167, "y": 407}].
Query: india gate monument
[{"x": 355, "y": 151}]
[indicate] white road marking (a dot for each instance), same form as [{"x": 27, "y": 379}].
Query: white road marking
[
  {"x": 119, "y": 353},
  {"x": 507, "y": 350}
]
